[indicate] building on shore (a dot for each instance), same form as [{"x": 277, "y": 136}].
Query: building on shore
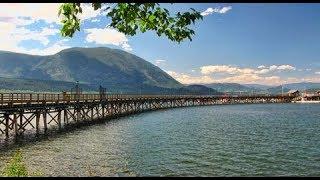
[
  {"x": 311, "y": 92},
  {"x": 293, "y": 92}
]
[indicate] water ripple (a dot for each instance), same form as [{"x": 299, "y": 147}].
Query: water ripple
[{"x": 226, "y": 140}]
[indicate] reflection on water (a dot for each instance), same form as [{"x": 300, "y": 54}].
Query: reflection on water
[{"x": 224, "y": 140}]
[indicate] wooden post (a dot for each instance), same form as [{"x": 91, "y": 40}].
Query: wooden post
[
  {"x": 21, "y": 122},
  {"x": 102, "y": 106},
  {"x": 120, "y": 108},
  {"x": 37, "y": 122},
  {"x": 128, "y": 108},
  {"x": 98, "y": 112},
  {"x": 78, "y": 114},
  {"x": 65, "y": 116},
  {"x": 59, "y": 118},
  {"x": 115, "y": 108},
  {"x": 111, "y": 109},
  {"x": 107, "y": 110},
  {"x": 45, "y": 120},
  {"x": 6, "y": 116},
  {"x": 15, "y": 121},
  {"x": 91, "y": 113}
]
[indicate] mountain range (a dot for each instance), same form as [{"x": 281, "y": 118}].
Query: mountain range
[
  {"x": 235, "y": 88},
  {"x": 116, "y": 70}
]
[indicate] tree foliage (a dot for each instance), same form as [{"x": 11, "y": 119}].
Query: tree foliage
[{"x": 130, "y": 18}]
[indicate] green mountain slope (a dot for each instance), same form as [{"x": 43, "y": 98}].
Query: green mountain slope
[
  {"x": 118, "y": 71},
  {"x": 112, "y": 68},
  {"x": 35, "y": 85}
]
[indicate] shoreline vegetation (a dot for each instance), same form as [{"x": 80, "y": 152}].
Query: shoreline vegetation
[{"x": 16, "y": 167}]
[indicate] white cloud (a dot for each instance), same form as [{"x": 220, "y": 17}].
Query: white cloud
[
  {"x": 35, "y": 11},
  {"x": 216, "y": 10},
  {"x": 53, "y": 49},
  {"x": 19, "y": 12},
  {"x": 48, "y": 32},
  {"x": 95, "y": 20},
  {"x": 88, "y": 12},
  {"x": 217, "y": 69},
  {"x": 273, "y": 68},
  {"x": 233, "y": 74},
  {"x": 311, "y": 79},
  {"x": 15, "y": 16},
  {"x": 160, "y": 62},
  {"x": 263, "y": 71},
  {"x": 317, "y": 72},
  {"x": 13, "y": 35},
  {"x": 236, "y": 70},
  {"x": 238, "y": 78},
  {"x": 56, "y": 47},
  {"x": 187, "y": 79},
  {"x": 107, "y": 36},
  {"x": 225, "y": 69},
  {"x": 286, "y": 67},
  {"x": 126, "y": 46}
]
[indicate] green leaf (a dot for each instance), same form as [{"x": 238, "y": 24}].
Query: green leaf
[
  {"x": 129, "y": 18},
  {"x": 151, "y": 17}
]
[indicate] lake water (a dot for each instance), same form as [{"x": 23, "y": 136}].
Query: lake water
[{"x": 221, "y": 140}]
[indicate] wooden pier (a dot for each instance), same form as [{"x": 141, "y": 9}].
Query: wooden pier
[{"x": 36, "y": 113}]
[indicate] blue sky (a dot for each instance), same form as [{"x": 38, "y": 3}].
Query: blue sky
[{"x": 243, "y": 43}]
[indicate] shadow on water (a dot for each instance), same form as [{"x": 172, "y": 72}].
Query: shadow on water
[{"x": 31, "y": 137}]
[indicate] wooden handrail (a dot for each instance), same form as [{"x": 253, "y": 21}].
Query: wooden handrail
[{"x": 57, "y": 97}]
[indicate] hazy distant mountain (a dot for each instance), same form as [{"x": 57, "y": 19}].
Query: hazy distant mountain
[
  {"x": 277, "y": 90},
  {"x": 263, "y": 89},
  {"x": 298, "y": 86},
  {"x": 302, "y": 86},
  {"x": 258, "y": 86},
  {"x": 232, "y": 87}
]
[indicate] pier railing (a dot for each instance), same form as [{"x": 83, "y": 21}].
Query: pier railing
[{"x": 40, "y": 98}]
